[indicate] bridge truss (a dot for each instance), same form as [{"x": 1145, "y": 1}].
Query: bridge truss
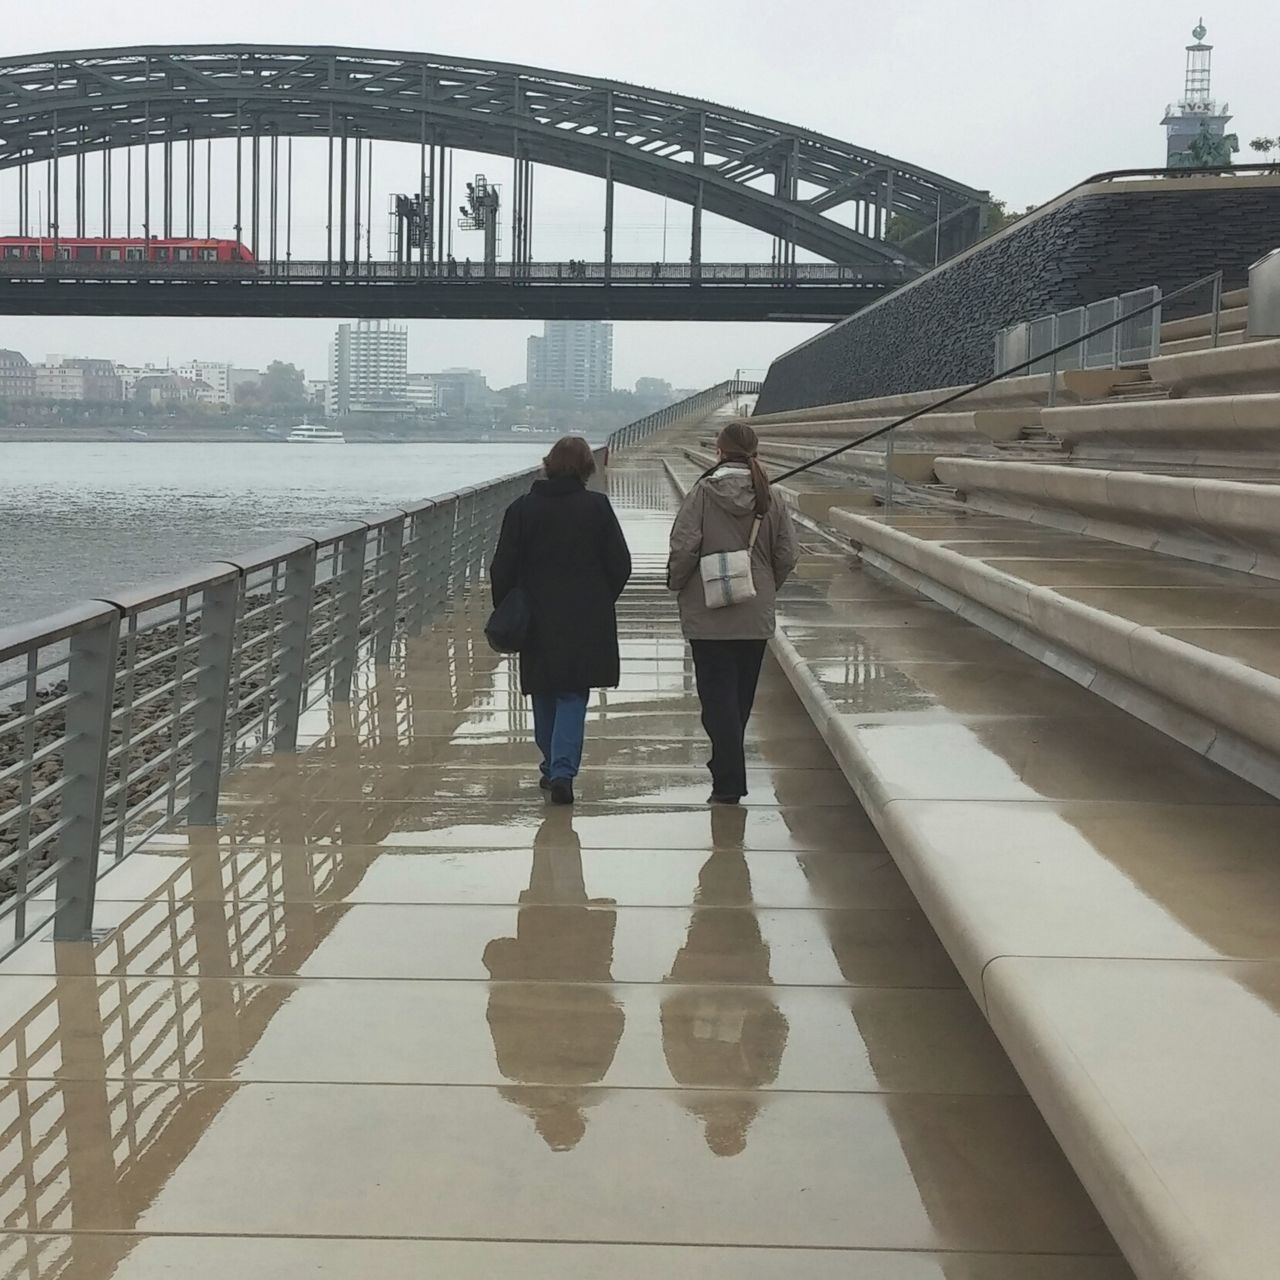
[{"x": 806, "y": 190}]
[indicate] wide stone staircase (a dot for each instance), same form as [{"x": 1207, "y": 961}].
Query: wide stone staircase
[{"x": 1051, "y": 671}]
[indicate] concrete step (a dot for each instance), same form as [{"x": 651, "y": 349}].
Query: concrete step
[
  {"x": 911, "y": 463},
  {"x": 1229, "y": 319},
  {"x": 812, "y": 493},
  {"x": 1241, "y": 431},
  {"x": 1027, "y": 391},
  {"x": 1180, "y": 346},
  {"x": 1110, "y": 898},
  {"x": 1242, "y": 368},
  {"x": 976, "y": 426},
  {"x": 1190, "y": 648},
  {"x": 1224, "y": 522}
]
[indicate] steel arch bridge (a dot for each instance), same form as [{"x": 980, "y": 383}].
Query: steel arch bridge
[{"x": 782, "y": 180}]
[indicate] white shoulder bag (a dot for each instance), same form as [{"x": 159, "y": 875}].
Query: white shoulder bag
[{"x": 726, "y": 575}]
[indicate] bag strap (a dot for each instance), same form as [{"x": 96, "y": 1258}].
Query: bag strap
[{"x": 755, "y": 532}]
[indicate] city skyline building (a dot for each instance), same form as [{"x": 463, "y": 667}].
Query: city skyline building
[
  {"x": 369, "y": 369},
  {"x": 571, "y": 358}
]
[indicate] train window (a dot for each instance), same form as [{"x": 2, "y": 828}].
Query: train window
[
  {"x": 86, "y": 253},
  {"x": 208, "y": 255},
  {"x": 133, "y": 255},
  {"x": 13, "y": 251},
  {"x": 63, "y": 254},
  {"x": 33, "y": 252},
  {"x": 111, "y": 255},
  {"x": 183, "y": 255},
  {"x": 162, "y": 254}
]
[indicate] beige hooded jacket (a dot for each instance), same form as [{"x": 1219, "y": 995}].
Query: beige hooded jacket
[{"x": 716, "y": 516}]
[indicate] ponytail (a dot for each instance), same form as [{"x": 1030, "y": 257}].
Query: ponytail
[{"x": 737, "y": 442}]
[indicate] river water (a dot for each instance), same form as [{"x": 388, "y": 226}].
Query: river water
[{"x": 80, "y": 519}]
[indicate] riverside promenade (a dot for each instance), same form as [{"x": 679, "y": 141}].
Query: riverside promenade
[{"x": 395, "y": 1017}]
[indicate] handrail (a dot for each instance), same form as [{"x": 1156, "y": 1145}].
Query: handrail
[
  {"x": 1214, "y": 278},
  {"x": 1111, "y": 175},
  {"x": 706, "y": 399}
]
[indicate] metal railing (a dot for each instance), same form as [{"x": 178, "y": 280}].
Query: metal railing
[
  {"x": 1055, "y": 342},
  {"x": 826, "y": 274},
  {"x": 120, "y": 716},
  {"x": 697, "y": 405}
]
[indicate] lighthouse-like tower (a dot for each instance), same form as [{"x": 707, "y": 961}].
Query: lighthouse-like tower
[{"x": 1196, "y": 113}]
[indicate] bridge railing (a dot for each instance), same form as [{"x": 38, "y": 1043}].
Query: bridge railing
[
  {"x": 826, "y": 274},
  {"x": 121, "y": 716},
  {"x": 697, "y": 405}
]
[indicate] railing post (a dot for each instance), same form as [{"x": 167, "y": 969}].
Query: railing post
[
  {"x": 209, "y": 718},
  {"x": 297, "y": 601},
  {"x": 91, "y": 684},
  {"x": 350, "y": 592},
  {"x": 1217, "y": 307},
  {"x": 888, "y": 471},
  {"x": 390, "y": 552},
  {"x": 418, "y": 576}
]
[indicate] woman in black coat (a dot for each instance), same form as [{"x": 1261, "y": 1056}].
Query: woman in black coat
[{"x": 564, "y": 546}]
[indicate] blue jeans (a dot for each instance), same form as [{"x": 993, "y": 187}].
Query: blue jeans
[{"x": 559, "y": 725}]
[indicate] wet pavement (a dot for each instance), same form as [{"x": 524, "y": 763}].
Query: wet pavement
[{"x": 397, "y": 1017}]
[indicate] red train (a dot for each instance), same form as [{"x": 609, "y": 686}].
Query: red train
[{"x": 100, "y": 249}]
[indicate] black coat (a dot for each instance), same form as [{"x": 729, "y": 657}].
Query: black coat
[{"x": 564, "y": 545}]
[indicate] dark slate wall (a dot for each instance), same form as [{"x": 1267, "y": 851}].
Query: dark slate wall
[{"x": 940, "y": 332}]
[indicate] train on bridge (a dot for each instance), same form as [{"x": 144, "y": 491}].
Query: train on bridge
[{"x": 117, "y": 249}]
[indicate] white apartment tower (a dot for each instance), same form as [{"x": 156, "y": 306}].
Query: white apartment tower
[
  {"x": 369, "y": 368},
  {"x": 573, "y": 358}
]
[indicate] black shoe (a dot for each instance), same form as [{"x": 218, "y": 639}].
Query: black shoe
[
  {"x": 561, "y": 790},
  {"x": 545, "y": 783},
  {"x": 716, "y": 798}
]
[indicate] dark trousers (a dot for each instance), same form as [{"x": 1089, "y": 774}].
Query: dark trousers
[{"x": 727, "y": 672}]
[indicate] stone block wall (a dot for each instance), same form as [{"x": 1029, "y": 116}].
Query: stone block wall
[{"x": 940, "y": 330}]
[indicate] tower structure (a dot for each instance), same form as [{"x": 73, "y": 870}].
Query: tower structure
[{"x": 1196, "y": 125}]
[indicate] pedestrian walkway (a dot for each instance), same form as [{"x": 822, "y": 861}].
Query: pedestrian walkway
[{"x": 398, "y": 1018}]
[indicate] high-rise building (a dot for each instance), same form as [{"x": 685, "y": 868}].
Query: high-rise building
[
  {"x": 369, "y": 368},
  {"x": 572, "y": 358},
  {"x": 1196, "y": 126}
]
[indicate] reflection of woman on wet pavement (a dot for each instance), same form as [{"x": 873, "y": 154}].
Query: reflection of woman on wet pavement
[
  {"x": 729, "y": 1035},
  {"x": 564, "y": 546},
  {"x": 552, "y": 1015}
]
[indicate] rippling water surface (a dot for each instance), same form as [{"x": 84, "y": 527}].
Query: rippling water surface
[{"x": 80, "y": 519}]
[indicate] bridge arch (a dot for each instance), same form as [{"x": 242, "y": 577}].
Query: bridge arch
[{"x": 706, "y": 155}]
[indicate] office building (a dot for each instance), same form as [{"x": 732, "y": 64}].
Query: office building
[
  {"x": 572, "y": 358},
  {"x": 60, "y": 379},
  {"x": 17, "y": 376},
  {"x": 216, "y": 376},
  {"x": 369, "y": 369},
  {"x": 459, "y": 391},
  {"x": 423, "y": 392}
]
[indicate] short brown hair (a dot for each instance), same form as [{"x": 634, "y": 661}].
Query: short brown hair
[{"x": 570, "y": 456}]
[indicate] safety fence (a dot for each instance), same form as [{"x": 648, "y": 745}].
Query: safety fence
[
  {"x": 1132, "y": 338},
  {"x": 121, "y": 716}
]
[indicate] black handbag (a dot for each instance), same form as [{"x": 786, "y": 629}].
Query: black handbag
[{"x": 507, "y": 630}]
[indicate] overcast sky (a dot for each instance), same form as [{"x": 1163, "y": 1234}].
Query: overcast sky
[{"x": 1020, "y": 97}]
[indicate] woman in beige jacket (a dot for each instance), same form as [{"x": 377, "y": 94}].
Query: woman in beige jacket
[{"x": 728, "y": 643}]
